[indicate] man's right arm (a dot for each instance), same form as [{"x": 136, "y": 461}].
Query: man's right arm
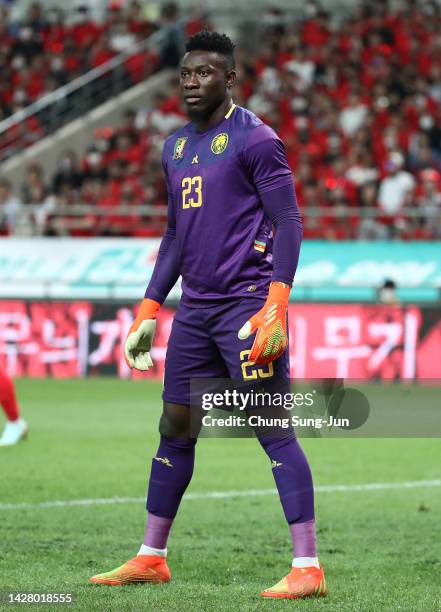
[
  {"x": 167, "y": 267},
  {"x": 165, "y": 274}
]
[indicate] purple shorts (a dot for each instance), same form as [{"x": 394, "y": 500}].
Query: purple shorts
[{"x": 203, "y": 344}]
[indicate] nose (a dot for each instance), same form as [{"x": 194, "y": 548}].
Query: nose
[{"x": 192, "y": 82}]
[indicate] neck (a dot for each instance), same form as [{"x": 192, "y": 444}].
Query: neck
[{"x": 205, "y": 123}]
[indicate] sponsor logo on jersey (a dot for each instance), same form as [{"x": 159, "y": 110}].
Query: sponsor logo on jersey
[
  {"x": 165, "y": 461},
  {"x": 195, "y": 160},
  {"x": 219, "y": 143},
  {"x": 178, "y": 151},
  {"x": 275, "y": 463}
]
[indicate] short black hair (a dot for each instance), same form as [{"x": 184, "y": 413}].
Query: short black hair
[
  {"x": 389, "y": 284},
  {"x": 212, "y": 41}
]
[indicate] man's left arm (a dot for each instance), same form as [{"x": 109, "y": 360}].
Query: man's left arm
[
  {"x": 267, "y": 163},
  {"x": 280, "y": 205}
]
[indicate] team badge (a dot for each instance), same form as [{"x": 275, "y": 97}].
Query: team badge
[
  {"x": 178, "y": 151},
  {"x": 219, "y": 143}
]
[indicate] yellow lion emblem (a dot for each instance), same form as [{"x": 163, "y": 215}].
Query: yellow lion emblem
[{"x": 219, "y": 143}]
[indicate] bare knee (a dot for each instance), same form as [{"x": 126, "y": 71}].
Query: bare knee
[{"x": 176, "y": 421}]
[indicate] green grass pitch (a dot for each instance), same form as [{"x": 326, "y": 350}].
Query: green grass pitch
[{"x": 94, "y": 439}]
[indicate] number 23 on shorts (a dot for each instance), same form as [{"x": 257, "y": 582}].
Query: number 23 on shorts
[{"x": 249, "y": 370}]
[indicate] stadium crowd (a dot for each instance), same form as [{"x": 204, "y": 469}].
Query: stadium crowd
[
  {"x": 45, "y": 51},
  {"x": 50, "y": 47},
  {"x": 357, "y": 104},
  {"x": 53, "y": 46}
]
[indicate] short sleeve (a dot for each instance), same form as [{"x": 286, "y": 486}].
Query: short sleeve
[{"x": 264, "y": 157}]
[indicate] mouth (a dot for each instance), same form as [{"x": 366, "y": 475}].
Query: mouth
[{"x": 192, "y": 99}]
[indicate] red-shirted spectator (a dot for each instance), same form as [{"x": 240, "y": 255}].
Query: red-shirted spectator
[
  {"x": 85, "y": 31},
  {"x": 101, "y": 52},
  {"x": 315, "y": 31}
]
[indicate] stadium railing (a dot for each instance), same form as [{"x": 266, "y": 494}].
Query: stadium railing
[{"x": 48, "y": 215}]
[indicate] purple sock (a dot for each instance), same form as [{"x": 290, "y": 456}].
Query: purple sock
[
  {"x": 172, "y": 469},
  {"x": 293, "y": 477},
  {"x": 303, "y": 539},
  {"x": 157, "y": 530}
]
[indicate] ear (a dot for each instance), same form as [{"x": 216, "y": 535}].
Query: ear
[{"x": 231, "y": 79}]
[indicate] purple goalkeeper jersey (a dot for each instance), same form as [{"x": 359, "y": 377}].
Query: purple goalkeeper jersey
[{"x": 215, "y": 180}]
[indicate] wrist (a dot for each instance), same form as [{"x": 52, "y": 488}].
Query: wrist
[
  {"x": 279, "y": 292},
  {"x": 148, "y": 309}
]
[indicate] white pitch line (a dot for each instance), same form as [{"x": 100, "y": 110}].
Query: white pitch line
[{"x": 373, "y": 486}]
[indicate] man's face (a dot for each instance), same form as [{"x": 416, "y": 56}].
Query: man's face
[{"x": 204, "y": 81}]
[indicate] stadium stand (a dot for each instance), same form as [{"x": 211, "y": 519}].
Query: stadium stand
[
  {"x": 47, "y": 50},
  {"x": 58, "y": 64},
  {"x": 357, "y": 103}
]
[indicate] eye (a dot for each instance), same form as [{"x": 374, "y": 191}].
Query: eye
[{"x": 203, "y": 73}]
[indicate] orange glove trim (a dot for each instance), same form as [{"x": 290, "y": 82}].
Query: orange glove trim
[
  {"x": 147, "y": 310},
  {"x": 278, "y": 292}
]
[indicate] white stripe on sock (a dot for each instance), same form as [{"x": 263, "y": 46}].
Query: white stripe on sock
[
  {"x": 305, "y": 562},
  {"x": 148, "y": 550}
]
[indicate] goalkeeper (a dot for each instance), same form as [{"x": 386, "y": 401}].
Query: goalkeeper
[{"x": 234, "y": 233}]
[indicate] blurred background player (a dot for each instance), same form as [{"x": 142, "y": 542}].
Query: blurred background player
[
  {"x": 16, "y": 428},
  {"x": 387, "y": 293},
  {"x": 229, "y": 185}
]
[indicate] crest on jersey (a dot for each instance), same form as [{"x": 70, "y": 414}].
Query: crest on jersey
[
  {"x": 178, "y": 151},
  {"x": 219, "y": 143}
]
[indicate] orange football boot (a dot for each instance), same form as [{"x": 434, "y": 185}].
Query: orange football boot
[
  {"x": 143, "y": 568},
  {"x": 300, "y": 582}
]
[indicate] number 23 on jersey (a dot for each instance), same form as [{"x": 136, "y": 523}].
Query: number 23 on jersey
[{"x": 192, "y": 192}]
